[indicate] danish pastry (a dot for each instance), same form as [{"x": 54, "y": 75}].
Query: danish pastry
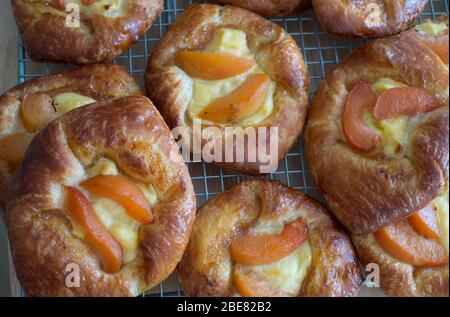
[
  {"x": 367, "y": 18},
  {"x": 434, "y": 34},
  {"x": 417, "y": 264},
  {"x": 271, "y": 7},
  {"x": 377, "y": 136},
  {"x": 103, "y": 190},
  {"x": 82, "y": 31},
  {"x": 26, "y": 108},
  {"x": 262, "y": 238},
  {"x": 225, "y": 67},
  {"x": 412, "y": 254}
]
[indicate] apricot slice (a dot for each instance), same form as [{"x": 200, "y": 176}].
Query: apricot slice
[
  {"x": 402, "y": 242},
  {"x": 212, "y": 66},
  {"x": 258, "y": 249},
  {"x": 124, "y": 192},
  {"x": 425, "y": 221},
  {"x": 242, "y": 103},
  {"x": 14, "y": 146},
  {"x": 357, "y": 133},
  {"x": 403, "y": 101},
  {"x": 37, "y": 111},
  {"x": 248, "y": 285},
  {"x": 99, "y": 239}
]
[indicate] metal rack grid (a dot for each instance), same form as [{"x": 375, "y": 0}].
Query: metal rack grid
[{"x": 321, "y": 51}]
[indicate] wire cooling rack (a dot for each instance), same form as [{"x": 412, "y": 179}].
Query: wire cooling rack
[{"x": 321, "y": 51}]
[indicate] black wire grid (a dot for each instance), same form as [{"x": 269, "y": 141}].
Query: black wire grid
[{"x": 321, "y": 52}]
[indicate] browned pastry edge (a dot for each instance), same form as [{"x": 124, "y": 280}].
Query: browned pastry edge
[
  {"x": 367, "y": 192},
  {"x": 276, "y": 53},
  {"x": 131, "y": 132},
  {"x": 402, "y": 279},
  {"x": 421, "y": 36},
  {"x": 345, "y": 18},
  {"x": 99, "y": 38},
  {"x": 97, "y": 81},
  {"x": 271, "y": 7},
  {"x": 206, "y": 267}
]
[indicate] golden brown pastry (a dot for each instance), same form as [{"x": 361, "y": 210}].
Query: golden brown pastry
[
  {"x": 105, "y": 27},
  {"x": 367, "y": 18},
  {"x": 226, "y": 67},
  {"x": 434, "y": 34},
  {"x": 377, "y": 136},
  {"x": 412, "y": 254},
  {"x": 271, "y": 7},
  {"x": 105, "y": 189},
  {"x": 262, "y": 238},
  {"x": 24, "y": 109}
]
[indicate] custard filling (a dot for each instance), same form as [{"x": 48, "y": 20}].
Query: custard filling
[
  {"x": 431, "y": 28},
  {"x": 285, "y": 275},
  {"x": 392, "y": 131},
  {"x": 113, "y": 215},
  {"x": 232, "y": 42},
  {"x": 443, "y": 217},
  {"x": 36, "y": 110},
  {"x": 67, "y": 101}
]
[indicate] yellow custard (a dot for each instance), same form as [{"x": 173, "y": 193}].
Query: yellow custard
[
  {"x": 431, "y": 28},
  {"x": 67, "y": 101},
  {"x": 123, "y": 227},
  {"x": 392, "y": 131},
  {"x": 113, "y": 216},
  {"x": 442, "y": 205},
  {"x": 287, "y": 274},
  {"x": 234, "y": 42}
]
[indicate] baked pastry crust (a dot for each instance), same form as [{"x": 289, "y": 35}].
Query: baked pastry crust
[
  {"x": 99, "y": 38},
  {"x": 131, "y": 132},
  {"x": 367, "y": 192},
  {"x": 98, "y": 81},
  {"x": 206, "y": 267},
  {"x": 271, "y": 7},
  {"x": 402, "y": 279},
  {"x": 426, "y": 38},
  {"x": 360, "y": 18},
  {"x": 276, "y": 53}
]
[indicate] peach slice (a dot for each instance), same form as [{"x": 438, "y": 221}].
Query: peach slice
[
  {"x": 248, "y": 285},
  {"x": 358, "y": 134},
  {"x": 425, "y": 221},
  {"x": 403, "y": 101},
  {"x": 212, "y": 66},
  {"x": 14, "y": 146},
  {"x": 37, "y": 111},
  {"x": 402, "y": 242},
  {"x": 99, "y": 239},
  {"x": 258, "y": 249},
  {"x": 242, "y": 103},
  {"x": 124, "y": 192}
]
